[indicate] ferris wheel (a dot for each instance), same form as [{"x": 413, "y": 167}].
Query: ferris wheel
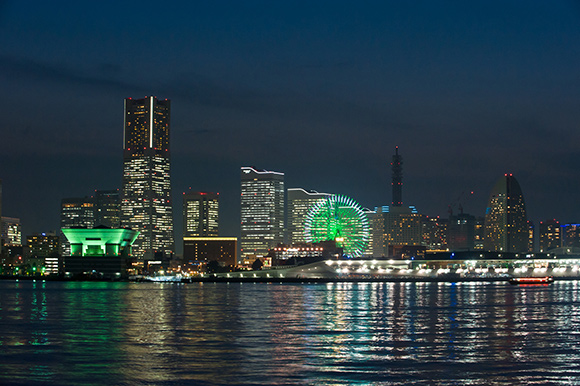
[{"x": 338, "y": 218}]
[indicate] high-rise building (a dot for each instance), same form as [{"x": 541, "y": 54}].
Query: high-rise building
[
  {"x": 397, "y": 178},
  {"x": 146, "y": 204},
  {"x": 108, "y": 208},
  {"x": 262, "y": 211},
  {"x": 400, "y": 226},
  {"x": 571, "y": 235},
  {"x": 75, "y": 213},
  {"x": 531, "y": 237},
  {"x": 11, "y": 232},
  {"x": 299, "y": 202},
  {"x": 461, "y": 232},
  {"x": 479, "y": 233},
  {"x": 200, "y": 214},
  {"x": 506, "y": 223},
  {"x": 434, "y": 232},
  {"x": 43, "y": 245},
  {"x": 550, "y": 235}
]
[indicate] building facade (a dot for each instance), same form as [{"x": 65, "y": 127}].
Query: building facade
[
  {"x": 205, "y": 249},
  {"x": 461, "y": 232},
  {"x": 262, "y": 211},
  {"x": 200, "y": 214},
  {"x": 299, "y": 202},
  {"x": 11, "y": 232},
  {"x": 108, "y": 208},
  {"x": 146, "y": 204},
  {"x": 506, "y": 223},
  {"x": 571, "y": 235},
  {"x": 550, "y": 235},
  {"x": 76, "y": 212}
]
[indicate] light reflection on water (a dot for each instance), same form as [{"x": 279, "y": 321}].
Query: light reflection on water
[{"x": 70, "y": 333}]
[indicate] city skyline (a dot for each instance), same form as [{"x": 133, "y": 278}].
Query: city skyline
[{"x": 468, "y": 93}]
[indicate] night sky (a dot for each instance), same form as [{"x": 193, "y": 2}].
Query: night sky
[{"x": 322, "y": 91}]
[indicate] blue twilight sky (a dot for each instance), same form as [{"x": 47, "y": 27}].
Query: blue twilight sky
[{"x": 322, "y": 91}]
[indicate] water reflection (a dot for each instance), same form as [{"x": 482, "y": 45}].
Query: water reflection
[{"x": 249, "y": 333}]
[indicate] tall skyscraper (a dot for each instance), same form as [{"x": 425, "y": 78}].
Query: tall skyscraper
[
  {"x": 262, "y": 211},
  {"x": 200, "y": 214},
  {"x": 146, "y": 204},
  {"x": 506, "y": 223},
  {"x": 299, "y": 202},
  {"x": 108, "y": 208},
  {"x": 397, "y": 178}
]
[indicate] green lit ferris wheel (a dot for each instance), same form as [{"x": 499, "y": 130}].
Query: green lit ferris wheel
[{"x": 338, "y": 218}]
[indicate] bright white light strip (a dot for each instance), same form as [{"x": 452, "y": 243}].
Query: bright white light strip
[{"x": 261, "y": 172}]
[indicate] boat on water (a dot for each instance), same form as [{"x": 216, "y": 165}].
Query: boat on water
[
  {"x": 165, "y": 279},
  {"x": 532, "y": 280}
]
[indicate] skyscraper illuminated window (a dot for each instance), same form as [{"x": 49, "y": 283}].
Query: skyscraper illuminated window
[
  {"x": 506, "y": 225},
  {"x": 146, "y": 204},
  {"x": 200, "y": 214},
  {"x": 262, "y": 211},
  {"x": 299, "y": 202}
]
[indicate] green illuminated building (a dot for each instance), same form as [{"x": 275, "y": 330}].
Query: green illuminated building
[{"x": 103, "y": 251}]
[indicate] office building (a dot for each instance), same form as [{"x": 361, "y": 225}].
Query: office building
[
  {"x": 531, "y": 236},
  {"x": 146, "y": 204},
  {"x": 461, "y": 232},
  {"x": 200, "y": 214},
  {"x": 202, "y": 250},
  {"x": 107, "y": 208},
  {"x": 75, "y": 213},
  {"x": 479, "y": 233},
  {"x": 299, "y": 202},
  {"x": 11, "y": 232},
  {"x": 434, "y": 233},
  {"x": 396, "y": 227},
  {"x": 571, "y": 235},
  {"x": 550, "y": 235},
  {"x": 43, "y": 245},
  {"x": 506, "y": 223},
  {"x": 262, "y": 211}
]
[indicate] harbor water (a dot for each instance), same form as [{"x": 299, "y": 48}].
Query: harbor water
[{"x": 99, "y": 333}]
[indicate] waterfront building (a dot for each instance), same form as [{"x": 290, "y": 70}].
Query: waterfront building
[
  {"x": 108, "y": 208},
  {"x": 396, "y": 227},
  {"x": 200, "y": 214},
  {"x": 43, "y": 245},
  {"x": 75, "y": 213},
  {"x": 146, "y": 204},
  {"x": 506, "y": 223},
  {"x": 550, "y": 235},
  {"x": 262, "y": 211},
  {"x": 99, "y": 252},
  {"x": 479, "y": 233},
  {"x": 571, "y": 235},
  {"x": 461, "y": 232},
  {"x": 299, "y": 202},
  {"x": 531, "y": 237},
  {"x": 202, "y": 250},
  {"x": 11, "y": 232},
  {"x": 434, "y": 233}
]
